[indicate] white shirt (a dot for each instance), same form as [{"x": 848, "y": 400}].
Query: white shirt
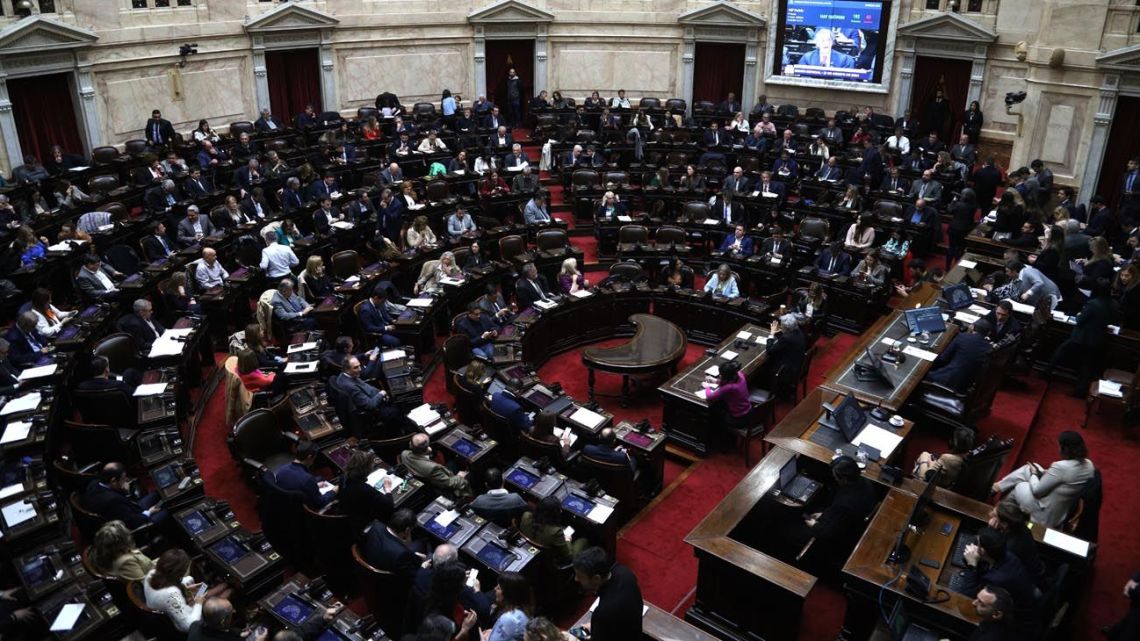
[
  {"x": 46, "y": 327},
  {"x": 102, "y": 277},
  {"x": 619, "y": 102},
  {"x": 278, "y": 260},
  {"x": 208, "y": 277},
  {"x": 902, "y": 143}
]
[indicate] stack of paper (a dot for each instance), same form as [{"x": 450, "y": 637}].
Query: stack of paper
[
  {"x": 150, "y": 389},
  {"x": 392, "y": 355},
  {"x": 545, "y": 304},
  {"x": 423, "y": 415},
  {"x": 302, "y": 347},
  {"x": 309, "y": 367},
  {"x": 710, "y": 221},
  {"x": 966, "y": 318},
  {"x": 343, "y": 224},
  {"x": 587, "y": 417},
  {"x": 624, "y": 219},
  {"x": 420, "y": 302},
  {"x": 37, "y": 372},
  {"x": 17, "y": 431},
  {"x": 919, "y": 353},
  {"x": 729, "y": 355},
  {"x": 25, "y": 403},
  {"x": 447, "y": 280},
  {"x": 67, "y": 617},
  {"x": 166, "y": 345},
  {"x": 600, "y": 513},
  {"x": 743, "y": 335},
  {"x": 878, "y": 438},
  {"x": 1110, "y": 388},
  {"x": 446, "y": 518},
  {"x": 582, "y": 293},
  {"x": 712, "y": 370}
]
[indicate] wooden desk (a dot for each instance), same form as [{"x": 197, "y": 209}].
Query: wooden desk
[
  {"x": 733, "y": 578},
  {"x": 659, "y": 625},
  {"x": 686, "y": 416},
  {"x": 658, "y": 344},
  {"x": 875, "y": 580}
]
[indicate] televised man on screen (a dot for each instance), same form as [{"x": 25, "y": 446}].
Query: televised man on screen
[{"x": 823, "y": 55}]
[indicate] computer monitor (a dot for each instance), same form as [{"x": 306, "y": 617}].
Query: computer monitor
[
  {"x": 850, "y": 418},
  {"x": 925, "y": 319},
  {"x": 37, "y": 571},
  {"x": 165, "y": 476},
  {"x": 541, "y": 399},
  {"x": 918, "y": 517},
  {"x": 638, "y": 439},
  {"x": 957, "y": 296},
  {"x": 330, "y": 634},
  {"x": 229, "y": 550},
  {"x": 788, "y": 473},
  {"x": 495, "y": 556},
  {"x": 442, "y": 532},
  {"x": 196, "y": 522},
  {"x": 465, "y": 447},
  {"x": 522, "y": 478},
  {"x": 577, "y": 504},
  {"x": 293, "y": 610}
]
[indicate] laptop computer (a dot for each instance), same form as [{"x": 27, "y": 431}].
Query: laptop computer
[
  {"x": 957, "y": 296},
  {"x": 925, "y": 319},
  {"x": 794, "y": 485}
]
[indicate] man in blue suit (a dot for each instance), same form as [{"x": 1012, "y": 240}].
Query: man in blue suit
[
  {"x": 375, "y": 319},
  {"x": 607, "y": 450},
  {"x": 480, "y": 329},
  {"x": 870, "y": 170},
  {"x": 507, "y": 407},
  {"x": 830, "y": 171},
  {"x": 365, "y": 398},
  {"x": 834, "y": 259},
  {"x": 737, "y": 243},
  {"x": 958, "y": 365},
  {"x": 386, "y": 546},
  {"x": 295, "y": 477},
  {"x": 25, "y": 344},
  {"x": 325, "y": 187},
  {"x": 824, "y": 56}
]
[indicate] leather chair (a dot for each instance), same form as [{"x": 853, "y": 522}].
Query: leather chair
[
  {"x": 281, "y": 511},
  {"x": 104, "y": 155},
  {"x": 390, "y": 448},
  {"x": 695, "y": 211},
  {"x": 511, "y": 246},
  {"x": 682, "y": 137},
  {"x": 966, "y": 408},
  {"x": 816, "y": 114},
  {"x": 584, "y": 179},
  {"x": 888, "y": 209},
  {"x": 333, "y": 554},
  {"x": 559, "y": 589},
  {"x": 152, "y": 624},
  {"x": 135, "y": 147},
  {"x": 535, "y": 449},
  {"x": 629, "y": 271},
  {"x": 616, "y": 179},
  {"x": 110, "y": 440},
  {"x": 467, "y": 401},
  {"x": 669, "y": 235},
  {"x": 345, "y": 264},
  {"x": 218, "y": 216},
  {"x": 456, "y": 353},
  {"x": 424, "y": 112},
  {"x": 980, "y": 467},
  {"x": 788, "y": 111},
  {"x": 676, "y": 159},
  {"x": 241, "y": 127},
  {"x": 676, "y": 106},
  {"x": 69, "y": 478},
  {"x": 365, "y": 113},
  {"x": 277, "y": 144},
  {"x": 750, "y": 164},
  {"x": 550, "y": 239},
  {"x": 1083, "y": 520},
  {"x": 633, "y": 234},
  {"x": 258, "y": 442},
  {"x": 761, "y": 418},
  {"x": 617, "y": 479},
  {"x": 586, "y": 136},
  {"x": 102, "y": 184},
  {"x": 650, "y": 103},
  {"x": 86, "y": 521},
  {"x": 385, "y": 594},
  {"x": 438, "y": 191},
  {"x": 704, "y": 107},
  {"x": 120, "y": 351},
  {"x": 461, "y": 254},
  {"x": 499, "y": 428}
]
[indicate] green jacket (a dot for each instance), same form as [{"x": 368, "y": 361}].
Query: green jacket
[
  {"x": 436, "y": 475},
  {"x": 551, "y": 538}
]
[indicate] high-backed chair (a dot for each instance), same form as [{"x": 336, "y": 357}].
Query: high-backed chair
[
  {"x": 258, "y": 442},
  {"x": 815, "y": 228},
  {"x": 549, "y": 239},
  {"x": 980, "y": 468},
  {"x": 438, "y": 191},
  {"x": 102, "y": 184},
  {"x": 364, "y": 113},
  {"x": 584, "y": 179},
  {"x": 69, "y": 478},
  {"x": 511, "y": 246},
  {"x": 424, "y": 112},
  {"x": 333, "y": 554},
  {"x": 385, "y": 594},
  {"x": 152, "y": 624},
  {"x": 281, "y": 512},
  {"x": 104, "y": 155},
  {"x": 135, "y": 147},
  {"x": 113, "y": 440},
  {"x": 676, "y": 106},
  {"x": 616, "y": 179},
  {"x": 628, "y": 271},
  {"x": 120, "y": 351},
  {"x": 966, "y": 408},
  {"x": 695, "y": 211},
  {"x": 633, "y": 234},
  {"x": 241, "y": 127},
  {"x": 86, "y": 521},
  {"x": 456, "y": 354},
  {"x": 239, "y": 400},
  {"x": 669, "y": 235},
  {"x": 345, "y": 264},
  {"x": 499, "y": 428},
  {"x": 618, "y": 479},
  {"x": 761, "y": 418}
]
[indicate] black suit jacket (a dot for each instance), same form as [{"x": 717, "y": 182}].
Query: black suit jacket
[
  {"x": 526, "y": 294},
  {"x": 153, "y": 250},
  {"x": 198, "y": 189},
  {"x": 165, "y": 132},
  {"x": 384, "y": 551},
  {"x": 717, "y": 210},
  {"x": 844, "y": 517},
  {"x": 363, "y": 503},
  {"x": 144, "y": 336},
  {"x": 618, "y": 615},
  {"x": 113, "y": 505},
  {"x": 9, "y": 374},
  {"x": 957, "y": 366},
  {"x": 155, "y": 198},
  {"x": 786, "y": 355}
]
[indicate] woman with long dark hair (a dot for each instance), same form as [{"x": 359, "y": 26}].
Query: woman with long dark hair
[
  {"x": 972, "y": 121},
  {"x": 514, "y": 603}
]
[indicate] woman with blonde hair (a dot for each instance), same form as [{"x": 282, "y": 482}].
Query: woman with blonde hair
[
  {"x": 420, "y": 235},
  {"x": 570, "y": 279},
  {"x": 317, "y": 283},
  {"x": 114, "y": 552}
]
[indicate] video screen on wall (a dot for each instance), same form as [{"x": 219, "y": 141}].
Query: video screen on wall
[{"x": 840, "y": 40}]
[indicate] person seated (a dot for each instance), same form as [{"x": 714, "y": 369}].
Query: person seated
[
  {"x": 217, "y": 624},
  {"x": 570, "y": 280},
  {"x": 176, "y": 296},
  {"x": 109, "y": 497},
  {"x": 375, "y": 318},
  {"x": 25, "y": 344},
  {"x": 994, "y": 607},
  {"x": 536, "y": 211},
  {"x": 898, "y": 143},
  {"x": 460, "y": 223},
  {"x": 531, "y": 287},
  {"x": 714, "y": 138},
  {"x": 295, "y": 477},
  {"x": 154, "y": 245},
  {"x": 894, "y": 184},
  {"x": 495, "y": 306},
  {"x": 357, "y": 499},
  {"x": 768, "y": 188},
  {"x": 835, "y": 528},
  {"x": 95, "y": 280},
  {"x": 431, "y": 145},
  {"x": 958, "y": 365},
  {"x": 931, "y": 144},
  {"x": 785, "y": 167},
  {"x": 498, "y": 505},
  {"x": 316, "y": 280},
  {"x": 860, "y": 235},
  {"x": 776, "y": 246},
  {"x": 420, "y": 235},
  {"x": 1003, "y": 326},
  {"x": 291, "y": 309},
  {"x": 515, "y": 160},
  {"x": 381, "y": 414},
  {"x": 870, "y": 270},
  {"x": 419, "y": 461},
  {"x": 102, "y": 380},
  {"x": 737, "y": 183},
  {"x": 989, "y": 564},
  {"x": 544, "y": 526},
  {"x": 388, "y": 547},
  {"x": 446, "y": 556},
  {"x": 169, "y": 590},
  {"x": 729, "y": 400},
  {"x": 1008, "y": 518},
  {"x": 504, "y": 404},
  {"x": 1048, "y": 495},
  {"x": 193, "y": 228},
  {"x": 611, "y": 207},
  {"x": 326, "y": 187},
  {"x": 926, "y": 188},
  {"x": 141, "y": 325},
  {"x": 255, "y": 379},
  {"x": 830, "y": 170},
  {"x": 325, "y": 215},
  {"x": 618, "y": 613},
  {"x": 949, "y": 464},
  {"x": 834, "y": 259},
  {"x": 722, "y": 283},
  {"x": 476, "y": 259},
  {"x": 607, "y": 450},
  {"x": 542, "y": 430},
  {"x": 480, "y": 329},
  {"x": 920, "y": 214},
  {"x": 114, "y": 552},
  {"x": 737, "y": 243},
  {"x": 336, "y": 359}
]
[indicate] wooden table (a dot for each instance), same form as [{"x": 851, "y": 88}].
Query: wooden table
[
  {"x": 657, "y": 345},
  {"x": 659, "y": 625}
]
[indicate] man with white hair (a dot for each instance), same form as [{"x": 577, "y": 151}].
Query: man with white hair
[
  {"x": 526, "y": 182},
  {"x": 470, "y": 598},
  {"x": 141, "y": 325},
  {"x": 161, "y": 198},
  {"x": 267, "y": 122},
  {"x": 290, "y": 308},
  {"x": 823, "y": 55},
  {"x": 786, "y": 348},
  {"x": 193, "y": 228},
  {"x": 737, "y": 182},
  {"x": 277, "y": 260},
  {"x": 515, "y": 160}
]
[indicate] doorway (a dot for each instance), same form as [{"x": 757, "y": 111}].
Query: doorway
[
  {"x": 45, "y": 115},
  {"x": 718, "y": 70},
  {"x": 953, "y": 78},
  {"x": 294, "y": 78},
  {"x": 501, "y": 56},
  {"x": 1123, "y": 144}
]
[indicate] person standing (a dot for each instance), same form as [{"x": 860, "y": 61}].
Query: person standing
[
  {"x": 514, "y": 98},
  {"x": 617, "y": 616}
]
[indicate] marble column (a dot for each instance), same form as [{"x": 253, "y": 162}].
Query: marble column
[
  {"x": 480, "y": 63},
  {"x": 977, "y": 76},
  {"x": 87, "y": 111},
  {"x": 329, "y": 100},
  {"x": 688, "y": 55},
  {"x": 1102, "y": 121},
  {"x": 540, "y": 59},
  {"x": 8, "y": 125},
  {"x": 261, "y": 76},
  {"x": 906, "y": 83},
  {"x": 748, "y": 88}
]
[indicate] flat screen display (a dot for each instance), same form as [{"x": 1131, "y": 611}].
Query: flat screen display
[
  {"x": 165, "y": 476},
  {"x": 37, "y": 571},
  {"x": 577, "y": 504},
  {"x": 925, "y": 319},
  {"x": 957, "y": 296},
  {"x": 293, "y": 610},
  {"x": 841, "y": 40},
  {"x": 850, "y": 417},
  {"x": 637, "y": 439},
  {"x": 196, "y": 522},
  {"x": 465, "y": 447},
  {"x": 228, "y": 550},
  {"x": 495, "y": 556},
  {"x": 442, "y": 532},
  {"x": 522, "y": 478},
  {"x": 330, "y": 635},
  {"x": 788, "y": 473}
]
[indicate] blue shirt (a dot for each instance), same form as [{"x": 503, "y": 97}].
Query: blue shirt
[
  {"x": 449, "y": 106},
  {"x": 510, "y": 626}
]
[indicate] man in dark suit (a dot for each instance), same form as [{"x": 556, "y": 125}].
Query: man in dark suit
[
  {"x": 325, "y": 216},
  {"x": 895, "y": 184},
  {"x": 391, "y": 175},
  {"x": 1065, "y": 199},
  {"x": 494, "y": 120},
  {"x": 1102, "y": 221},
  {"x": 531, "y": 287},
  {"x": 958, "y": 365},
  {"x": 248, "y": 174},
  {"x": 927, "y": 187},
  {"x": 730, "y": 105},
  {"x": 987, "y": 179},
  {"x": 830, "y": 171},
  {"x": 607, "y": 450},
  {"x": 1003, "y": 326},
  {"x": 775, "y": 246},
  {"x": 480, "y": 329},
  {"x": 196, "y": 186},
  {"x": 141, "y": 325},
  {"x": 736, "y": 182},
  {"x": 505, "y": 405},
  {"x": 737, "y": 243},
  {"x": 324, "y": 188},
  {"x": 267, "y": 122},
  {"x": 9, "y": 373},
  {"x": 159, "y": 132},
  {"x": 161, "y": 198},
  {"x": 103, "y": 380},
  {"x": 964, "y": 152},
  {"x": 94, "y": 280},
  {"x": 726, "y": 210},
  {"x": 360, "y": 209},
  {"x": 306, "y": 119},
  {"x": 108, "y": 497},
  {"x": 908, "y": 124},
  {"x": 383, "y": 416},
  {"x": 217, "y": 624},
  {"x": 988, "y": 563},
  {"x": 26, "y": 345},
  {"x": 387, "y": 547},
  {"x": 446, "y": 555},
  {"x": 870, "y": 169},
  {"x": 617, "y": 617},
  {"x": 768, "y": 186},
  {"x": 835, "y": 528},
  {"x": 834, "y": 259},
  {"x": 497, "y": 504},
  {"x": 291, "y": 199},
  {"x": 255, "y": 206},
  {"x": 715, "y": 138},
  {"x": 402, "y": 146},
  {"x": 516, "y": 158},
  {"x": 194, "y": 227},
  {"x": 375, "y": 319},
  {"x": 155, "y": 246},
  {"x": 295, "y": 477},
  {"x": 920, "y": 214},
  {"x": 786, "y": 348}
]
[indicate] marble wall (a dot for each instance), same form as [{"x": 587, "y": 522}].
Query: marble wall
[
  {"x": 647, "y": 69},
  {"x": 415, "y": 73}
]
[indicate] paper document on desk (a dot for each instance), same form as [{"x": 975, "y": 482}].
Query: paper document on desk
[
  {"x": 448, "y": 280},
  {"x": 1060, "y": 316},
  {"x": 600, "y": 513},
  {"x": 422, "y": 303},
  {"x": 325, "y": 487},
  {"x": 587, "y": 417},
  {"x": 423, "y": 415},
  {"x": 967, "y": 264},
  {"x": 545, "y": 304},
  {"x": 744, "y": 335},
  {"x": 703, "y": 393},
  {"x": 1110, "y": 388},
  {"x": 10, "y": 490},
  {"x": 25, "y": 403},
  {"x": 1020, "y": 308},
  {"x": 1067, "y": 543},
  {"x": 37, "y": 372},
  {"x": 352, "y": 280},
  {"x": 376, "y": 478},
  {"x": 625, "y": 219},
  {"x": 888, "y": 341},
  {"x": 878, "y": 438},
  {"x": 919, "y": 353},
  {"x": 567, "y": 433},
  {"x": 582, "y": 293},
  {"x": 729, "y": 355},
  {"x": 17, "y": 431},
  {"x": 446, "y": 518},
  {"x": 67, "y": 617},
  {"x": 966, "y": 318},
  {"x": 150, "y": 389},
  {"x": 301, "y": 368},
  {"x": 343, "y": 224},
  {"x": 18, "y": 512},
  {"x": 436, "y": 427},
  {"x": 644, "y": 608},
  {"x": 392, "y": 354},
  {"x": 711, "y": 221},
  {"x": 713, "y": 370},
  {"x": 180, "y": 332},
  {"x": 302, "y": 347},
  {"x": 1114, "y": 329},
  {"x": 978, "y": 309},
  {"x": 166, "y": 346}
]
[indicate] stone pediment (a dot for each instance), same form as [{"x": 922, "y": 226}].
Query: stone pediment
[
  {"x": 721, "y": 14},
  {"x": 290, "y": 17},
  {"x": 948, "y": 26},
  {"x": 510, "y": 11},
  {"x": 35, "y": 34},
  {"x": 1124, "y": 59}
]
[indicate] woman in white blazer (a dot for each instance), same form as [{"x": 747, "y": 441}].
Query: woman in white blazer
[
  {"x": 49, "y": 318},
  {"x": 1047, "y": 495}
]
